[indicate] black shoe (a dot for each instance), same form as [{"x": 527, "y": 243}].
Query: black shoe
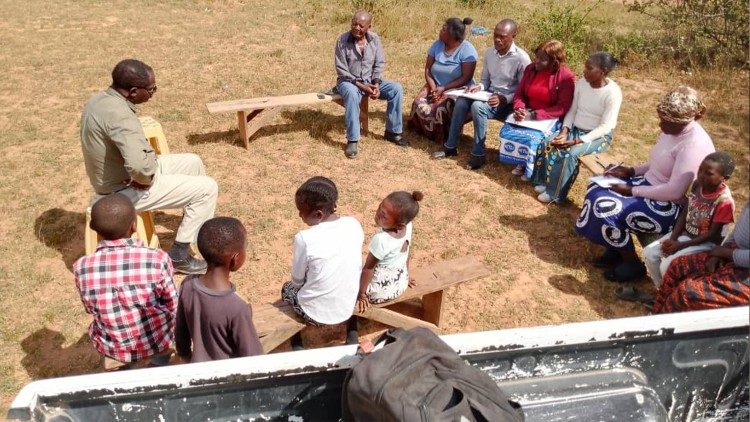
[
  {"x": 609, "y": 258},
  {"x": 476, "y": 162},
  {"x": 190, "y": 265},
  {"x": 446, "y": 152},
  {"x": 396, "y": 138},
  {"x": 626, "y": 271},
  {"x": 351, "y": 150}
]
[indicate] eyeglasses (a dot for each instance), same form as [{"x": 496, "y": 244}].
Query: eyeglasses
[{"x": 151, "y": 91}]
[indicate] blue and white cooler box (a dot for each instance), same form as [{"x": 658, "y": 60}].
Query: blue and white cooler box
[{"x": 519, "y": 142}]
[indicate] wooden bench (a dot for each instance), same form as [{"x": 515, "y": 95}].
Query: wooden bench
[
  {"x": 431, "y": 282},
  {"x": 597, "y": 163},
  {"x": 275, "y": 323},
  {"x": 254, "y": 113}
]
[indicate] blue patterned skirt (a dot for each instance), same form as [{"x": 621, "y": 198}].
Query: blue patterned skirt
[{"x": 608, "y": 218}]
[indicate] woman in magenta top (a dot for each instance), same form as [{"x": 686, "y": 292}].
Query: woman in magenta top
[
  {"x": 546, "y": 88},
  {"x": 649, "y": 201}
]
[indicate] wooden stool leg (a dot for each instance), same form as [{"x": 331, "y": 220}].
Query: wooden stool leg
[
  {"x": 151, "y": 240},
  {"x": 91, "y": 238},
  {"x": 432, "y": 305},
  {"x": 249, "y": 123}
]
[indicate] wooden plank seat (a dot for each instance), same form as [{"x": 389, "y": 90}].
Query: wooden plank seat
[
  {"x": 431, "y": 281},
  {"x": 275, "y": 323},
  {"x": 597, "y": 163},
  {"x": 254, "y": 113}
]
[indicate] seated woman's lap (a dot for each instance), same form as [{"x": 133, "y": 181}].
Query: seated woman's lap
[
  {"x": 608, "y": 218},
  {"x": 688, "y": 285}
]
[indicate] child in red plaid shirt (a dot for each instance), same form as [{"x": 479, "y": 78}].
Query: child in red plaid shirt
[
  {"x": 127, "y": 287},
  {"x": 210, "y": 314}
]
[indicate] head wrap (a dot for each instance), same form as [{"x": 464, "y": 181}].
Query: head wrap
[{"x": 682, "y": 105}]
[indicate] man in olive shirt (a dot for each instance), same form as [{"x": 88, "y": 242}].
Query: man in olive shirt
[
  {"x": 359, "y": 61},
  {"x": 119, "y": 158}
]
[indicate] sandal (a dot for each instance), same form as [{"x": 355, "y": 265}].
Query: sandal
[
  {"x": 626, "y": 271},
  {"x": 631, "y": 294}
]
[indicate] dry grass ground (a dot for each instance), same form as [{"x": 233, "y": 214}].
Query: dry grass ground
[{"x": 56, "y": 55}]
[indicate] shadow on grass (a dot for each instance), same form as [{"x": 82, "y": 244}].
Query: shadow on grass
[
  {"x": 316, "y": 123},
  {"x": 552, "y": 237},
  {"x": 62, "y": 230},
  {"x": 46, "y": 357}
]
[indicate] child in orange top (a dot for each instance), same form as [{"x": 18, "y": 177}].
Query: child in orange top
[{"x": 700, "y": 223}]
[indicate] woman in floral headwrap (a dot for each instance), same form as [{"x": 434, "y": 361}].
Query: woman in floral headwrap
[{"x": 650, "y": 199}]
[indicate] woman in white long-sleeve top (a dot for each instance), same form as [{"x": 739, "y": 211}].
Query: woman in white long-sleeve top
[{"x": 587, "y": 129}]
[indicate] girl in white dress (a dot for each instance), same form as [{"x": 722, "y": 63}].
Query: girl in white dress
[{"x": 385, "y": 275}]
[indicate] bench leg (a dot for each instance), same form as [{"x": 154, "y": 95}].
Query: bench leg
[
  {"x": 251, "y": 122},
  {"x": 395, "y": 319},
  {"x": 432, "y": 305}
]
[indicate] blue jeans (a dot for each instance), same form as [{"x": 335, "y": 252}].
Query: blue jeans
[
  {"x": 560, "y": 167},
  {"x": 390, "y": 91},
  {"x": 480, "y": 112}
]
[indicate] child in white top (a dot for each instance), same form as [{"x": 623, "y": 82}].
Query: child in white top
[
  {"x": 327, "y": 258},
  {"x": 385, "y": 275}
]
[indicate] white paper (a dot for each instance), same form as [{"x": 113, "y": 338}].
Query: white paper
[
  {"x": 544, "y": 126},
  {"x": 606, "y": 181},
  {"x": 460, "y": 92}
]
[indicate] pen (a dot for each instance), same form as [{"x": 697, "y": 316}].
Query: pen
[{"x": 611, "y": 167}]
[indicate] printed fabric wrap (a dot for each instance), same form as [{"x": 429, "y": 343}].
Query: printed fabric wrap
[{"x": 521, "y": 145}]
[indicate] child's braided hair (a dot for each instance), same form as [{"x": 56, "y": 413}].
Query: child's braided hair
[{"x": 318, "y": 193}]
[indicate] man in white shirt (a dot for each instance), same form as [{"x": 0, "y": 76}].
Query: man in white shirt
[{"x": 503, "y": 67}]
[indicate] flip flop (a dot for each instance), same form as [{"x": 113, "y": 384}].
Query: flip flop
[{"x": 632, "y": 295}]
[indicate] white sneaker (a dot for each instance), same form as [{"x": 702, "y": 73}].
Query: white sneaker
[
  {"x": 543, "y": 197},
  {"x": 540, "y": 188},
  {"x": 518, "y": 170},
  {"x": 524, "y": 178}
]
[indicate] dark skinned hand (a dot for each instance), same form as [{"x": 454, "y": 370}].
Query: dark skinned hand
[
  {"x": 563, "y": 143},
  {"x": 722, "y": 252},
  {"x": 362, "y": 304},
  {"x": 620, "y": 172},
  {"x": 713, "y": 263},
  {"x": 669, "y": 247},
  {"x": 622, "y": 189},
  {"x": 496, "y": 100},
  {"x": 135, "y": 185}
]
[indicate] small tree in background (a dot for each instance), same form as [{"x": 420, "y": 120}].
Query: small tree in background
[{"x": 701, "y": 32}]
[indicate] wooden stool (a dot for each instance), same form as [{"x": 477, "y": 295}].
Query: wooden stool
[
  {"x": 154, "y": 134},
  {"x": 146, "y": 231}
]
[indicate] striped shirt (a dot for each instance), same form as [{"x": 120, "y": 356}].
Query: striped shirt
[{"x": 129, "y": 289}]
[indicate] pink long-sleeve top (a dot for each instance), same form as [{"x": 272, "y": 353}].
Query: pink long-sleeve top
[{"x": 674, "y": 163}]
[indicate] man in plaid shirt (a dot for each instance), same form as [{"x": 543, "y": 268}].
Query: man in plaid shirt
[{"x": 128, "y": 288}]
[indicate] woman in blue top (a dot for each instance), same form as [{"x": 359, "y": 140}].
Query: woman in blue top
[{"x": 451, "y": 61}]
